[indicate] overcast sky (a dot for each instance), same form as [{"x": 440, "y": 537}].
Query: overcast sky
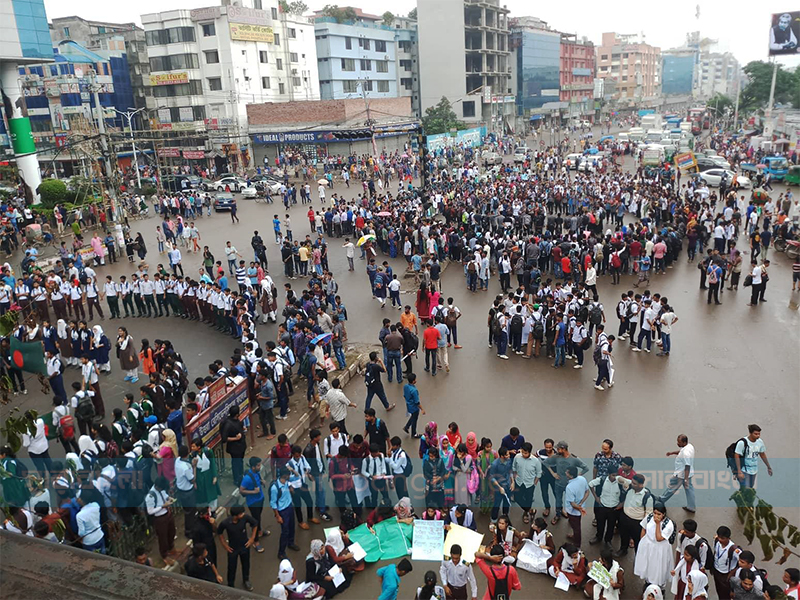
[{"x": 743, "y": 32}]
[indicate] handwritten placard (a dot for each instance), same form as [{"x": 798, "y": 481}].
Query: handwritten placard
[
  {"x": 428, "y": 542},
  {"x": 470, "y": 542}
]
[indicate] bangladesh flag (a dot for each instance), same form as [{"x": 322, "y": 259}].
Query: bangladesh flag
[{"x": 28, "y": 356}]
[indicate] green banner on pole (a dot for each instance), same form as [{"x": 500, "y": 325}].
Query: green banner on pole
[{"x": 21, "y": 137}]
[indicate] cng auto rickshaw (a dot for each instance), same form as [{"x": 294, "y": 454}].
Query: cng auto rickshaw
[{"x": 793, "y": 175}]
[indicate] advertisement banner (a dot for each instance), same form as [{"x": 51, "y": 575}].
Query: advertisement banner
[
  {"x": 466, "y": 137},
  {"x": 19, "y": 131},
  {"x": 685, "y": 161},
  {"x": 164, "y": 115},
  {"x": 194, "y": 154},
  {"x": 169, "y": 152},
  {"x": 186, "y": 114},
  {"x": 206, "y": 424},
  {"x": 243, "y": 32},
  {"x": 169, "y": 78},
  {"x": 251, "y": 16},
  {"x": 784, "y": 32},
  {"x": 205, "y": 14}
]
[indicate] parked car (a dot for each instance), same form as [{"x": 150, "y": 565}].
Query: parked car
[
  {"x": 233, "y": 183},
  {"x": 713, "y": 177},
  {"x": 262, "y": 182},
  {"x": 250, "y": 192},
  {"x": 520, "y": 154},
  {"x": 491, "y": 158},
  {"x": 572, "y": 161},
  {"x": 223, "y": 201}
]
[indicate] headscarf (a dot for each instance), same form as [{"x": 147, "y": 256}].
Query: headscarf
[
  {"x": 85, "y": 443},
  {"x": 62, "y": 329},
  {"x": 431, "y": 433},
  {"x": 285, "y": 571},
  {"x": 170, "y": 441},
  {"x": 699, "y": 583},
  {"x": 278, "y": 592},
  {"x": 472, "y": 445},
  {"x": 98, "y": 333},
  {"x": 317, "y": 549},
  {"x": 653, "y": 590},
  {"x": 403, "y": 508}
]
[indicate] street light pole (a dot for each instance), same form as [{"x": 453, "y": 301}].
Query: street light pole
[{"x": 129, "y": 116}]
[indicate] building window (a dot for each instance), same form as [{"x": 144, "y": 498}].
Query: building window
[
  {"x": 383, "y": 87},
  {"x": 66, "y": 32},
  {"x": 406, "y": 83},
  {"x": 277, "y": 39},
  {"x": 348, "y": 43},
  {"x": 279, "y": 64},
  {"x": 604, "y": 57},
  {"x": 209, "y": 30},
  {"x": 281, "y": 88},
  {"x": 367, "y": 85},
  {"x": 265, "y": 83},
  {"x": 174, "y": 62},
  {"x": 363, "y": 43},
  {"x": 296, "y": 81},
  {"x": 382, "y": 66},
  {"x": 293, "y": 57},
  {"x": 292, "y": 33},
  {"x": 262, "y": 56},
  {"x": 257, "y": 4},
  {"x": 350, "y": 87},
  {"x": 193, "y": 88},
  {"x": 214, "y": 84},
  {"x": 348, "y": 64},
  {"x": 380, "y": 45},
  {"x": 212, "y": 57},
  {"x": 469, "y": 108},
  {"x": 274, "y": 13},
  {"x": 405, "y": 45},
  {"x": 366, "y": 65}
]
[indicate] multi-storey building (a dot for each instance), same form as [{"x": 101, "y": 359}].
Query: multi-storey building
[
  {"x": 576, "y": 74},
  {"x": 207, "y": 64},
  {"x": 105, "y": 37},
  {"x": 464, "y": 56},
  {"x": 365, "y": 57},
  {"x": 717, "y": 73},
  {"x": 678, "y": 68},
  {"x": 633, "y": 65}
]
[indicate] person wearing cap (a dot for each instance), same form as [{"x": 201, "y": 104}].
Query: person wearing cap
[
  {"x": 280, "y": 500},
  {"x": 557, "y": 465}
]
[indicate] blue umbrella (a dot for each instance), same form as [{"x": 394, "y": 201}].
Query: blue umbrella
[{"x": 322, "y": 339}]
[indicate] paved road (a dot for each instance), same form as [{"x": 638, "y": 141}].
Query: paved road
[{"x": 731, "y": 365}]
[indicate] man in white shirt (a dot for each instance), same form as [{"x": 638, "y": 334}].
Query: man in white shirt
[
  {"x": 157, "y": 502},
  {"x": 338, "y": 403},
  {"x": 456, "y": 574},
  {"x": 90, "y": 532},
  {"x": 37, "y": 446},
  {"x": 684, "y": 471},
  {"x": 350, "y": 252}
]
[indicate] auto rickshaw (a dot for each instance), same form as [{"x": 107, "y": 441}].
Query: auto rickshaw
[
  {"x": 759, "y": 197},
  {"x": 792, "y": 175}
]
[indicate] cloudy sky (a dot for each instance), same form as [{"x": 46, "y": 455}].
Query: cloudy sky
[{"x": 743, "y": 32}]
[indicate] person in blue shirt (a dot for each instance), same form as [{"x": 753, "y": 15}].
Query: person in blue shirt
[
  {"x": 561, "y": 342},
  {"x": 575, "y": 496},
  {"x": 413, "y": 406},
  {"x": 280, "y": 499},
  {"x": 390, "y": 578},
  {"x": 501, "y": 482},
  {"x": 175, "y": 420},
  {"x": 222, "y": 282},
  {"x": 252, "y": 490},
  {"x": 276, "y": 225},
  {"x": 513, "y": 442}
]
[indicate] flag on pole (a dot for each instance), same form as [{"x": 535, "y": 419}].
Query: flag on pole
[{"x": 28, "y": 356}]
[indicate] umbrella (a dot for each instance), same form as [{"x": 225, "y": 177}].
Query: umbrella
[
  {"x": 384, "y": 213},
  {"x": 322, "y": 181},
  {"x": 321, "y": 339},
  {"x": 365, "y": 238}
]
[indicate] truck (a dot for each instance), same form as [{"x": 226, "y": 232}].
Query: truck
[
  {"x": 776, "y": 166},
  {"x": 652, "y": 121},
  {"x": 653, "y": 155},
  {"x": 686, "y": 127}
]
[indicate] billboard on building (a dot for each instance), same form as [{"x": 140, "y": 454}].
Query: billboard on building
[
  {"x": 784, "y": 32},
  {"x": 244, "y": 32},
  {"x": 251, "y": 16},
  {"x": 169, "y": 78}
]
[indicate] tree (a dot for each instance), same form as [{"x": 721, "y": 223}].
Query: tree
[
  {"x": 388, "y": 18},
  {"x": 413, "y": 13},
  {"x": 441, "y": 118},
  {"x": 718, "y": 103},
  {"x": 755, "y": 95},
  {"x": 774, "y": 532},
  {"x": 52, "y": 191},
  {"x": 340, "y": 15},
  {"x": 298, "y": 7}
]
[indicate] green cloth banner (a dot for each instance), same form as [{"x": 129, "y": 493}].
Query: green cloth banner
[
  {"x": 385, "y": 543},
  {"x": 28, "y": 356}
]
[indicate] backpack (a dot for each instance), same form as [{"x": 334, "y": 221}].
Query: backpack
[
  {"x": 595, "y": 314},
  {"x": 471, "y": 268},
  {"x": 409, "y": 468},
  {"x": 538, "y": 330},
  {"x": 66, "y": 426},
  {"x": 663, "y": 523},
  {"x": 730, "y": 451},
  {"x": 713, "y": 277},
  {"x": 709, "y": 564},
  {"x": 597, "y": 354},
  {"x": 500, "y": 585},
  {"x": 516, "y": 323},
  {"x": 616, "y": 262},
  {"x": 414, "y": 339},
  {"x": 122, "y": 428},
  {"x": 305, "y": 366},
  {"x": 85, "y": 409}
]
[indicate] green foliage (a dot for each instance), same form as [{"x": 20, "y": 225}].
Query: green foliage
[
  {"x": 441, "y": 118},
  {"x": 388, "y": 18},
  {"x": 755, "y": 95},
  {"x": 413, "y": 13},
  {"x": 340, "y": 15},
  {"x": 16, "y": 426},
  {"x": 146, "y": 190},
  {"x": 774, "y": 532},
  {"x": 52, "y": 191},
  {"x": 8, "y": 173},
  {"x": 718, "y": 103},
  {"x": 298, "y": 7}
]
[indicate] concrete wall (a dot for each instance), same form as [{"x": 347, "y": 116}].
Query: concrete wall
[
  {"x": 324, "y": 111},
  {"x": 442, "y": 63}
]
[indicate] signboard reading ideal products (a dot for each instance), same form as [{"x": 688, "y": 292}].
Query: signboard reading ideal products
[
  {"x": 206, "y": 425},
  {"x": 169, "y": 78},
  {"x": 784, "y": 32}
]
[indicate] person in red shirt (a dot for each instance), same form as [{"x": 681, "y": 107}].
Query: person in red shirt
[
  {"x": 311, "y": 219},
  {"x": 497, "y": 573},
  {"x": 566, "y": 267},
  {"x": 431, "y": 338}
]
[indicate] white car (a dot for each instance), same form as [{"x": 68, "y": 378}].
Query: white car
[
  {"x": 234, "y": 183},
  {"x": 720, "y": 162},
  {"x": 572, "y": 161},
  {"x": 492, "y": 158},
  {"x": 713, "y": 177},
  {"x": 249, "y": 192},
  {"x": 520, "y": 154},
  {"x": 586, "y": 124}
]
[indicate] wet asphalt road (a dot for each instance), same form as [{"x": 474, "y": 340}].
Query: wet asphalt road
[{"x": 730, "y": 365}]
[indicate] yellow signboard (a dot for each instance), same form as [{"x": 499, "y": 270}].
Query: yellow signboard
[
  {"x": 169, "y": 78},
  {"x": 244, "y": 32}
]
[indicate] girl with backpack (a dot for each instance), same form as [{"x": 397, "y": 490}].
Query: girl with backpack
[{"x": 654, "y": 558}]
